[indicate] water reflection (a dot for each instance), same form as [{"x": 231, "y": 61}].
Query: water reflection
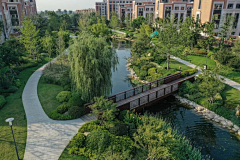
[
  {"x": 120, "y": 80},
  {"x": 209, "y": 137}
]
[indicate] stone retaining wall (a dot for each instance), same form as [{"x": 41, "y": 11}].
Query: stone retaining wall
[{"x": 210, "y": 115}]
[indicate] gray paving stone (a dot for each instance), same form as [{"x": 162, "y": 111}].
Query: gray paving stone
[{"x": 46, "y": 138}]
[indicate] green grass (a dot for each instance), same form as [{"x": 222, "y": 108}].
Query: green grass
[
  {"x": 66, "y": 156},
  {"x": 201, "y": 61},
  {"x": 231, "y": 96},
  {"x": 235, "y": 76},
  {"x": 14, "y": 108},
  {"x": 47, "y": 95},
  {"x": 175, "y": 65}
]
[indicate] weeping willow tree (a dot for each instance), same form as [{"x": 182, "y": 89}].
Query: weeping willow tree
[{"x": 91, "y": 62}]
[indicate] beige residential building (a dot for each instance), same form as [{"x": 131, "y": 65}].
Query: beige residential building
[
  {"x": 218, "y": 10},
  {"x": 145, "y": 8},
  {"x": 101, "y": 7},
  {"x": 90, "y": 10},
  {"x": 12, "y": 13},
  {"x": 180, "y": 9}
]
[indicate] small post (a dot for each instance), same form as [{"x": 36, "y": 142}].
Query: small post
[{"x": 9, "y": 120}]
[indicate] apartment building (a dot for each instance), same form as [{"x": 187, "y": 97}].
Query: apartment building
[
  {"x": 90, "y": 10},
  {"x": 145, "y": 8},
  {"x": 179, "y": 9},
  {"x": 218, "y": 10},
  {"x": 101, "y": 7},
  {"x": 12, "y": 13}
]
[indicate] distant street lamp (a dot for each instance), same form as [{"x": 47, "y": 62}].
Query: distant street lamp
[{"x": 9, "y": 120}]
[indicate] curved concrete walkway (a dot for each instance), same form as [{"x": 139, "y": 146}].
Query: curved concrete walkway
[
  {"x": 226, "y": 80},
  {"x": 46, "y": 138}
]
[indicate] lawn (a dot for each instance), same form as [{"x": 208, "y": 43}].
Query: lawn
[
  {"x": 175, "y": 65},
  {"x": 231, "y": 97},
  {"x": 201, "y": 61},
  {"x": 47, "y": 95},
  {"x": 14, "y": 108}
]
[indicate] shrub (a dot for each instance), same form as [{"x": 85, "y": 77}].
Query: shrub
[
  {"x": 91, "y": 126},
  {"x": 98, "y": 141},
  {"x": 57, "y": 116},
  {"x": 18, "y": 83},
  {"x": 218, "y": 99},
  {"x": 2, "y": 101},
  {"x": 142, "y": 74},
  {"x": 123, "y": 114},
  {"x": 63, "y": 96},
  {"x": 188, "y": 88},
  {"x": 185, "y": 74},
  {"x": 12, "y": 89},
  {"x": 151, "y": 71},
  {"x": 76, "y": 112},
  {"x": 62, "y": 108},
  {"x": 78, "y": 140},
  {"x": 119, "y": 129},
  {"x": 44, "y": 54},
  {"x": 75, "y": 101}
]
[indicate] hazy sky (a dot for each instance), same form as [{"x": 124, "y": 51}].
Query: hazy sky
[{"x": 65, "y": 4}]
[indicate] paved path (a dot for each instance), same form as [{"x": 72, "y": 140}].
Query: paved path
[
  {"x": 46, "y": 138},
  {"x": 226, "y": 80},
  {"x": 118, "y": 31}
]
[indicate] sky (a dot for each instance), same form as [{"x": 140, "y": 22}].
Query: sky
[{"x": 73, "y": 5}]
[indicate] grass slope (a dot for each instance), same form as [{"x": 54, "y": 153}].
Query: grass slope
[
  {"x": 14, "y": 108},
  {"x": 201, "y": 61},
  {"x": 47, "y": 95}
]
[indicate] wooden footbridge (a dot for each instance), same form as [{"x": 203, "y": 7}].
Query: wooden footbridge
[{"x": 146, "y": 94}]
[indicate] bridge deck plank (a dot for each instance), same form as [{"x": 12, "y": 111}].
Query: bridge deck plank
[{"x": 125, "y": 101}]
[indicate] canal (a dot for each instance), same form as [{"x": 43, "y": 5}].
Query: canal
[{"x": 213, "y": 140}]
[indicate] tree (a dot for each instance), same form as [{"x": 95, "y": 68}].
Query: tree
[
  {"x": 210, "y": 84},
  {"x": 236, "y": 48},
  {"x": 138, "y": 22},
  {"x": 114, "y": 21},
  {"x": 48, "y": 44},
  {"x": 105, "y": 109},
  {"x": 91, "y": 62},
  {"x": 169, "y": 38},
  {"x": 84, "y": 22},
  {"x": 128, "y": 21},
  {"x": 29, "y": 36},
  {"x": 99, "y": 29},
  {"x": 225, "y": 30},
  {"x": 60, "y": 42},
  {"x": 54, "y": 22},
  {"x": 9, "y": 56}
]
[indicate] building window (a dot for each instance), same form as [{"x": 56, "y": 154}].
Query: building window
[
  {"x": 182, "y": 8},
  {"x": 200, "y": 4},
  {"x": 151, "y": 9},
  {"x": 233, "y": 33},
  {"x": 147, "y": 9},
  {"x": 176, "y": 8},
  {"x": 238, "y": 6},
  {"x": 218, "y": 6},
  {"x": 230, "y": 6}
]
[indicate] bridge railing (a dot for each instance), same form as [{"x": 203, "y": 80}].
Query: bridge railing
[
  {"x": 154, "y": 96},
  {"x": 139, "y": 89},
  {"x": 143, "y": 88}
]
